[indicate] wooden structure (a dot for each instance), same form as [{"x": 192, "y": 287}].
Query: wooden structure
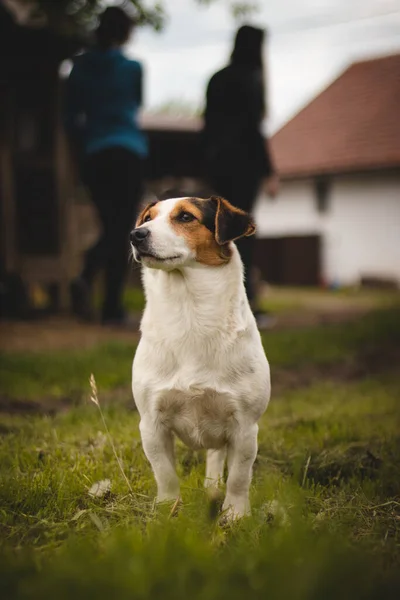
[
  {"x": 289, "y": 260},
  {"x": 34, "y": 183},
  {"x": 39, "y": 211},
  {"x": 174, "y": 148}
]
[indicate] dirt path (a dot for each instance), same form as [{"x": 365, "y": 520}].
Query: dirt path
[
  {"x": 58, "y": 333},
  {"x": 62, "y": 333},
  {"x": 291, "y": 308}
]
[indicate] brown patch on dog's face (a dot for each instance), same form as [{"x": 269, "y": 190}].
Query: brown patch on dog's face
[
  {"x": 194, "y": 219},
  {"x": 148, "y": 214}
]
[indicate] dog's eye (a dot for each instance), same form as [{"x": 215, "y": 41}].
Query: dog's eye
[
  {"x": 147, "y": 219},
  {"x": 185, "y": 217}
]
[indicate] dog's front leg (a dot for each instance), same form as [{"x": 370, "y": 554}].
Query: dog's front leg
[
  {"x": 215, "y": 467},
  {"x": 242, "y": 452},
  {"x": 158, "y": 445}
]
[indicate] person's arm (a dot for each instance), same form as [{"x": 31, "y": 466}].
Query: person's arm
[
  {"x": 74, "y": 113},
  {"x": 138, "y": 79},
  {"x": 72, "y": 103},
  {"x": 271, "y": 178}
]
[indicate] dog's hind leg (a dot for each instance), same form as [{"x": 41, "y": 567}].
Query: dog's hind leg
[
  {"x": 215, "y": 467},
  {"x": 158, "y": 445},
  {"x": 242, "y": 453}
]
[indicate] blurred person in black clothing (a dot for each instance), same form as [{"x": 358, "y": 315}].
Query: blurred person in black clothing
[{"x": 237, "y": 158}]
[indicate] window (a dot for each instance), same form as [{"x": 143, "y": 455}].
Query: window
[{"x": 322, "y": 194}]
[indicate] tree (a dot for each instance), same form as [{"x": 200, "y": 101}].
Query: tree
[
  {"x": 80, "y": 16},
  {"x": 240, "y": 9}
]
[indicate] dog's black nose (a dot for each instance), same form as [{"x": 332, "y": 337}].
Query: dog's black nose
[{"x": 138, "y": 235}]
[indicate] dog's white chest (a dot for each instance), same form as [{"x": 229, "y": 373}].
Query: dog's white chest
[{"x": 201, "y": 418}]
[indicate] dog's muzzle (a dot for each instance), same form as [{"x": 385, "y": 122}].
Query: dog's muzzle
[{"x": 138, "y": 237}]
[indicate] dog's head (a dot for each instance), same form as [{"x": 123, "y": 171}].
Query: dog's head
[{"x": 181, "y": 232}]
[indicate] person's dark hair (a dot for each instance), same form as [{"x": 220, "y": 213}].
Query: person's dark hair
[
  {"x": 115, "y": 27},
  {"x": 247, "y": 50}
]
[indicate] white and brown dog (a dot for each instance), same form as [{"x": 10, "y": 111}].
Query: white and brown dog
[{"x": 200, "y": 371}]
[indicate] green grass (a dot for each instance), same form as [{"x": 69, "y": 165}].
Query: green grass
[
  {"x": 133, "y": 299},
  {"x": 332, "y": 343},
  {"x": 325, "y": 493},
  {"x": 281, "y": 300},
  {"x": 66, "y": 373}
]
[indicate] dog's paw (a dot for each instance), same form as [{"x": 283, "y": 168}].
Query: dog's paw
[
  {"x": 169, "y": 506},
  {"x": 229, "y": 518},
  {"x": 167, "y": 498},
  {"x": 168, "y": 492},
  {"x": 235, "y": 510},
  {"x": 213, "y": 484}
]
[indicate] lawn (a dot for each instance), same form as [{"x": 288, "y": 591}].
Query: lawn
[{"x": 325, "y": 494}]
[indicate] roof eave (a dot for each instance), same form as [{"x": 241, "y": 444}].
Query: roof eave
[{"x": 337, "y": 171}]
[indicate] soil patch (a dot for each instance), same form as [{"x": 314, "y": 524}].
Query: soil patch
[
  {"x": 44, "y": 406},
  {"x": 367, "y": 363}
]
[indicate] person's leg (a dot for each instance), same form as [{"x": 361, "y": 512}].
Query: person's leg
[
  {"x": 241, "y": 189},
  {"x": 246, "y": 249},
  {"x": 127, "y": 190},
  {"x": 99, "y": 179},
  {"x": 96, "y": 176}
]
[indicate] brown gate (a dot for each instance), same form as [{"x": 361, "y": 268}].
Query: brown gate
[{"x": 290, "y": 260}]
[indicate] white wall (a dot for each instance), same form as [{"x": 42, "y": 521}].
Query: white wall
[{"x": 360, "y": 230}]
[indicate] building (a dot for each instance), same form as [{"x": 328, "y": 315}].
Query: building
[{"x": 337, "y": 217}]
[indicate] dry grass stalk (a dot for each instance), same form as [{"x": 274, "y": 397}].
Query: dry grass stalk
[{"x": 95, "y": 399}]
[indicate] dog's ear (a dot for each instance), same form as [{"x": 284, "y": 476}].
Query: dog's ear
[{"x": 231, "y": 223}]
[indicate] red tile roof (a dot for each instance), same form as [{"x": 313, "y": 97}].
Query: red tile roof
[{"x": 353, "y": 125}]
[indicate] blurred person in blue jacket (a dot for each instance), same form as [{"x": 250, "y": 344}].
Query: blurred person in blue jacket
[{"x": 104, "y": 93}]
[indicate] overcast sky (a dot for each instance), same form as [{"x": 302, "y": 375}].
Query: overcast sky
[{"x": 310, "y": 43}]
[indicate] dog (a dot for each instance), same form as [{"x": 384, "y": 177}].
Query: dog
[{"x": 200, "y": 371}]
